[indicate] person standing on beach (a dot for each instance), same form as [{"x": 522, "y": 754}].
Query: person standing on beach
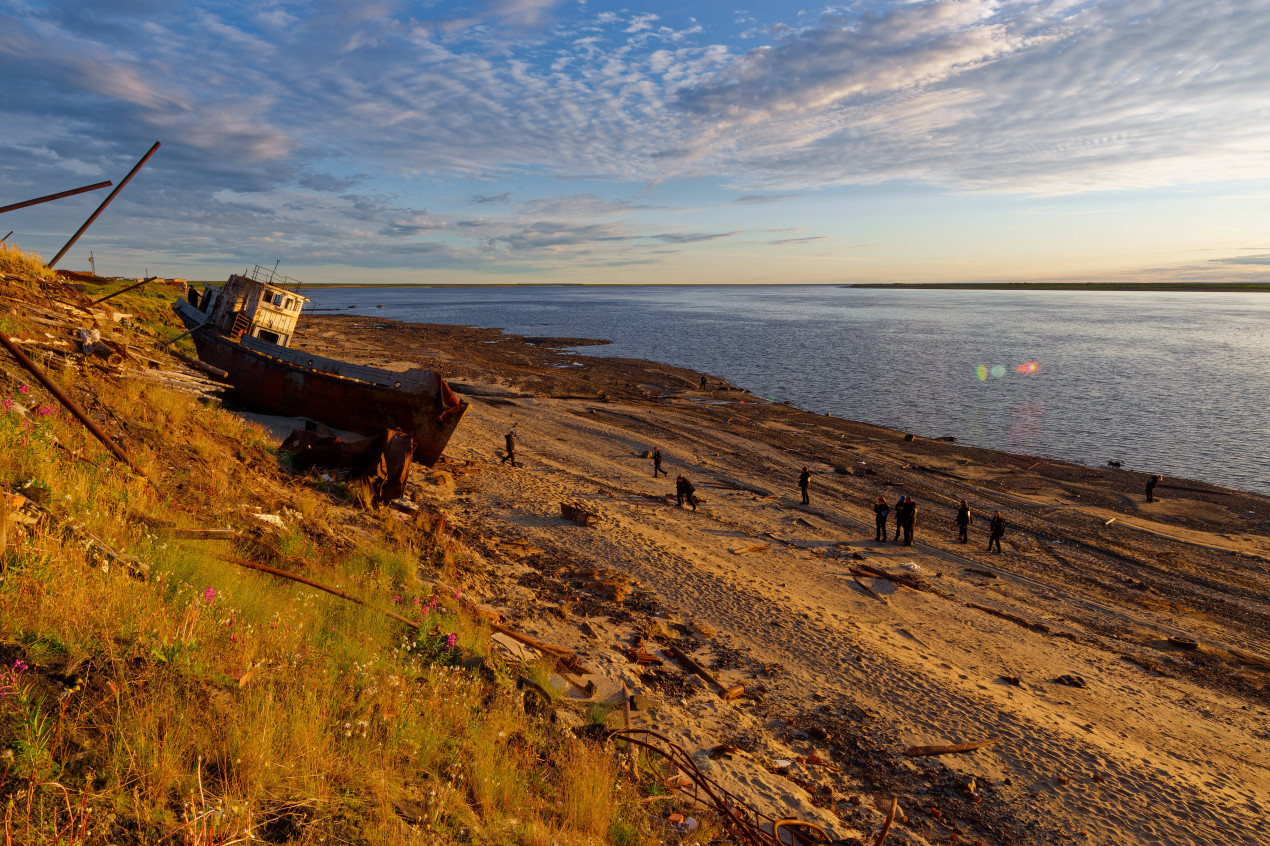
[
  {"x": 964, "y": 519},
  {"x": 657, "y": 463},
  {"x": 804, "y": 482},
  {"x": 899, "y": 517},
  {"x": 684, "y": 491},
  {"x": 880, "y": 511},
  {"x": 1151, "y": 483},
  {"x": 703, "y": 383},
  {"x": 909, "y": 516},
  {"x": 996, "y": 531},
  {"x": 510, "y": 438}
]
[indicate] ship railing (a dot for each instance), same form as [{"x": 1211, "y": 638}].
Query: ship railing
[{"x": 270, "y": 276}]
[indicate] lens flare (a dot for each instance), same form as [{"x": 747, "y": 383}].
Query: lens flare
[
  {"x": 982, "y": 372},
  {"x": 998, "y": 370},
  {"x": 1029, "y": 367}
]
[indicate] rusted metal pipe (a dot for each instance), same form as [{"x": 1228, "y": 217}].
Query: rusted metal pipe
[
  {"x": 56, "y": 196},
  {"x": 145, "y": 281},
  {"x": 68, "y": 403},
  {"x": 183, "y": 334},
  {"x": 103, "y": 205},
  {"x": 6, "y": 237}
]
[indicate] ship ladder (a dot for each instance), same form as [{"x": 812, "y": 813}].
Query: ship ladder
[{"x": 241, "y": 324}]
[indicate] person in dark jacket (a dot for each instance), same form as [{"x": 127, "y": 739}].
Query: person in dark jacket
[
  {"x": 899, "y": 517},
  {"x": 880, "y": 512},
  {"x": 510, "y": 438},
  {"x": 996, "y": 530},
  {"x": 684, "y": 491},
  {"x": 804, "y": 482},
  {"x": 657, "y": 463},
  {"x": 909, "y": 519},
  {"x": 1151, "y": 483},
  {"x": 964, "y": 519}
]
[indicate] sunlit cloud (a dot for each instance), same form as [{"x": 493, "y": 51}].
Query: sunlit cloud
[{"x": 345, "y": 120}]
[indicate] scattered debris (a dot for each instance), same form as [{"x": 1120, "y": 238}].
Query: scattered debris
[
  {"x": 1071, "y": 680},
  {"x": 577, "y": 514}
]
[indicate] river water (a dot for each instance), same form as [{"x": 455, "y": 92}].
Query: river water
[{"x": 1173, "y": 383}]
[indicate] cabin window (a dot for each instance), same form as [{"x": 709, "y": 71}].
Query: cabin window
[
  {"x": 290, "y": 302},
  {"x": 266, "y": 335}
]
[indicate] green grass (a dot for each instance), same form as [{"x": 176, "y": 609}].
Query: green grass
[{"x": 210, "y": 701}]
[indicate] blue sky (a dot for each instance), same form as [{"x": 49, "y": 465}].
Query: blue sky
[{"x": 568, "y": 141}]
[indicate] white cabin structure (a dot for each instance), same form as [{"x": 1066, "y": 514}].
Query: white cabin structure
[{"x": 247, "y": 305}]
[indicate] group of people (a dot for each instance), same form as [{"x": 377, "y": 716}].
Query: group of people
[
  {"x": 906, "y": 518},
  {"x": 905, "y": 509}
]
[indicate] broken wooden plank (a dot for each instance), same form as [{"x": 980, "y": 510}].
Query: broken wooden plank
[
  {"x": 899, "y": 579},
  {"x": 200, "y": 534},
  {"x": 691, "y": 663},
  {"x": 135, "y": 565},
  {"x": 951, "y": 749},
  {"x": 196, "y": 364},
  {"x": 870, "y": 591}
]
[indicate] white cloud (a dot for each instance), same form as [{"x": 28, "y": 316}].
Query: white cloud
[{"x": 288, "y": 101}]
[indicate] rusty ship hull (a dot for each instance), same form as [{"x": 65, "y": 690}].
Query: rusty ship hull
[{"x": 361, "y": 399}]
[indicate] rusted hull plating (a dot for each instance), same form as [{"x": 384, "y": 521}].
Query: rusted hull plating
[{"x": 292, "y": 390}]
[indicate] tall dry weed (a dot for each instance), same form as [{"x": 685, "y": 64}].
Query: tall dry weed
[{"x": 18, "y": 262}]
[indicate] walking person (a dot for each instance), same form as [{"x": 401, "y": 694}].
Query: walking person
[
  {"x": 880, "y": 512},
  {"x": 964, "y": 519},
  {"x": 685, "y": 492},
  {"x": 657, "y": 463},
  {"x": 1151, "y": 483},
  {"x": 510, "y": 438},
  {"x": 996, "y": 531},
  {"x": 804, "y": 482},
  {"x": 910, "y": 519}
]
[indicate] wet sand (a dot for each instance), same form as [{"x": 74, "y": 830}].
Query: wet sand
[{"x": 1162, "y": 744}]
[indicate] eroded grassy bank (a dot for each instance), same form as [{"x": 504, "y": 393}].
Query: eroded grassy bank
[{"x": 154, "y": 691}]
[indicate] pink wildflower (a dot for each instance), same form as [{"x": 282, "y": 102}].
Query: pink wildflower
[
  {"x": 450, "y": 640},
  {"x": 22, "y": 389},
  {"x": 209, "y": 595},
  {"x": 457, "y": 593}
]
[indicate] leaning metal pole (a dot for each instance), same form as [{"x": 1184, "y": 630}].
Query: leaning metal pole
[
  {"x": 103, "y": 205},
  {"x": 68, "y": 403},
  {"x": 59, "y": 195}
]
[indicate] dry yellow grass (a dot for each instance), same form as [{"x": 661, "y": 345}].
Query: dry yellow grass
[
  {"x": 210, "y": 703},
  {"x": 15, "y": 261}
]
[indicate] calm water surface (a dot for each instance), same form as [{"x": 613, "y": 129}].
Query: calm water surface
[{"x": 1169, "y": 383}]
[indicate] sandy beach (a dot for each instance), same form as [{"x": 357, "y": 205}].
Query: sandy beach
[{"x": 1116, "y": 651}]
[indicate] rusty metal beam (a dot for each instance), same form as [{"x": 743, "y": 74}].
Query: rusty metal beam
[
  {"x": 59, "y": 195},
  {"x": 145, "y": 281},
  {"x": 103, "y": 205},
  {"x": 68, "y": 403}
]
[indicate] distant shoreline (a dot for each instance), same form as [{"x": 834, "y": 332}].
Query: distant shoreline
[
  {"x": 1252, "y": 287},
  {"x": 1228, "y": 287}
]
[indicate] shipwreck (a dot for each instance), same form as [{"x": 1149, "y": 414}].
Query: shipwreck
[{"x": 244, "y": 328}]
